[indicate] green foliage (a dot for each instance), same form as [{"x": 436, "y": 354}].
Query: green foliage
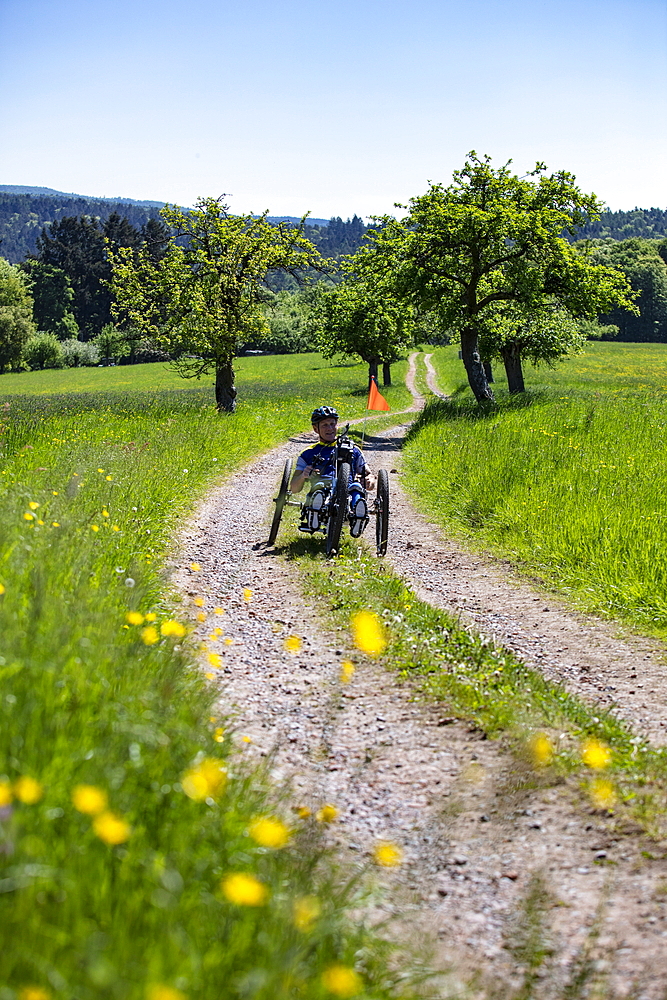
[
  {"x": 16, "y": 324},
  {"x": 111, "y": 343},
  {"x": 75, "y": 353},
  {"x": 53, "y": 297},
  {"x": 646, "y": 270},
  {"x": 287, "y": 316},
  {"x": 43, "y": 350}
]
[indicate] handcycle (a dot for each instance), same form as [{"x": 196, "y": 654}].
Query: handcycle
[{"x": 335, "y": 503}]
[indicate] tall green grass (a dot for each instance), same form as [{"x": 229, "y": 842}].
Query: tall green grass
[
  {"x": 567, "y": 480},
  {"x": 128, "y": 898}
]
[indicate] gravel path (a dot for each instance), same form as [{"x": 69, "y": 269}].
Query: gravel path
[{"x": 472, "y": 827}]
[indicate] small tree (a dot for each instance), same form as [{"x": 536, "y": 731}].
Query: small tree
[
  {"x": 53, "y": 297},
  {"x": 111, "y": 344},
  {"x": 43, "y": 351},
  {"x": 77, "y": 354},
  {"x": 16, "y": 324},
  {"x": 202, "y": 297}
]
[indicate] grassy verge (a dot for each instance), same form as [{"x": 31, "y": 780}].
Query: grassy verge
[
  {"x": 566, "y": 481},
  {"x": 556, "y": 732},
  {"x": 139, "y": 856}
]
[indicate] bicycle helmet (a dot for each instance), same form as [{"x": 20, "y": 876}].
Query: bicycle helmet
[{"x": 323, "y": 413}]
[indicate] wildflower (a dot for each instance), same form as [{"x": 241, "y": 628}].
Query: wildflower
[
  {"x": 149, "y": 635},
  {"x": 108, "y": 478},
  {"x": 99, "y": 470},
  {"x": 198, "y": 602},
  {"x": 209, "y": 677},
  {"x": 218, "y": 611},
  {"x": 160, "y": 992},
  {"x": 40, "y": 522},
  {"x": 216, "y": 633},
  {"x": 172, "y": 627},
  {"x": 341, "y": 981},
  {"x": 55, "y": 492},
  {"x": 2, "y": 589},
  {"x": 34, "y": 993},
  {"x": 246, "y": 739},
  {"x": 228, "y": 641},
  {"x": 215, "y": 660},
  {"x": 595, "y": 754},
  {"x": 541, "y": 749},
  {"x": 387, "y": 855},
  {"x": 112, "y": 829},
  {"x": 303, "y": 812},
  {"x": 195, "y": 567},
  {"x": 206, "y": 780},
  {"x": 201, "y": 617},
  {"x": 368, "y": 633},
  {"x": 114, "y": 527},
  {"x": 346, "y": 671},
  {"x": 89, "y": 799},
  {"x": 327, "y": 814},
  {"x": 293, "y": 643},
  {"x": 244, "y": 890},
  {"x": 28, "y": 790},
  {"x": 129, "y": 582},
  {"x": 28, "y": 516},
  {"x": 33, "y": 505},
  {"x": 95, "y": 527},
  {"x": 134, "y": 618},
  {"x": 305, "y": 912},
  {"x": 55, "y": 524},
  {"x": 6, "y": 794},
  {"x": 247, "y": 594},
  {"x": 219, "y": 735},
  {"x": 602, "y": 793},
  {"x": 105, "y": 512},
  {"x": 267, "y": 831},
  {"x": 151, "y": 616}
]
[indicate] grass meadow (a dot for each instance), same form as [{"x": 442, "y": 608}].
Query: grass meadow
[
  {"x": 567, "y": 481},
  {"x": 140, "y": 856}
]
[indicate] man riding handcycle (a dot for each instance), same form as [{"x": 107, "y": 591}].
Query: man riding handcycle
[{"x": 339, "y": 481}]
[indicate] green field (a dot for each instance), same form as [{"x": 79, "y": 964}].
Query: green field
[
  {"x": 565, "y": 481},
  {"x": 119, "y": 831}
]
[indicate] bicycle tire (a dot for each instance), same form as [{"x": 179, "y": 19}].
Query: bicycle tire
[
  {"x": 280, "y": 501},
  {"x": 382, "y": 513},
  {"x": 338, "y": 509}
]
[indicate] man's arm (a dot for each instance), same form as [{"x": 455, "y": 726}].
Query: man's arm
[{"x": 299, "y": 479}]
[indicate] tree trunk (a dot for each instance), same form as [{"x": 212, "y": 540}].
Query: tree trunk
[
  {"x": 386, "y": 373},
  {"x": 512, "y": 360},
  {"x": 488, "y": 371},
  {"x": 225, "y": 390},
  {"x": 372, "y": 372},
  {"x": 474, "y": 367}
]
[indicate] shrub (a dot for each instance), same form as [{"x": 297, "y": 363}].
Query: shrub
[
  {"x": 77, "y": 354},
  {"x": 44, "y": 350}
]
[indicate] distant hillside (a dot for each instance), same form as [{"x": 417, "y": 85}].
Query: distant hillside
[
  {"x": 51, "y": 193},
  {"x": 646, "y": 223}
]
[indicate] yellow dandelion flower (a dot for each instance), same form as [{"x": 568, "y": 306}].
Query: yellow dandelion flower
[
  {"x": 198, "y": 602},
  {"x": 114, "y": 527},
  {"x": 228, "y": 642},
  {"x": 108, "y": 478},
  {"x": 595, "y": 754},
  {"x": 368, "y": 633},
  {"x": 341, "y": 981},
  {"x": 388, "y": 855},
  {"x": 40, "y": 522},
  {"x": 158, "y": 991},
  {"x": 33, "y": 505},
  {"x": 34, "y": 993},
  {"x": 2, "y": 589},
  {"x": 6, "y": 794},
  {"x": 541, "y": 750},
  {"x": 151, "y": 616},
  {"x": 99, "y": 470},
  {"x": 219, "y": 735},
  {"x": 246, "y": 739},
  {"x": 303, "y": 812},
  {"x": 134, "y": 618},
  {"x": 95, "y": 527},
  {"x": 244, "y": 890},
  {"x": 209, "y": 677},
  {"x": 112, "y": 829},
  {"x": 215, "y": 660},
  {"x": 247, "y": 594},
  {"x": 267, "y": 831},
  {"x": 201, "y": 616},
  {"x": 195, "y": 567},
  {"x": 347, "y": 669},
  {"x": 55, "y": 524},
  {"x": 305, "y": 912},
  {"x": 172, "y": 627},
  {"x": 28, "y": 790},
  {"x": 293, "y": 643},
  {"x": 89, "y": 799},
  {"x": 216, "y": 633},
  {"x": 218, "y": 611},
  {"x": 28, "y": 516},
  {"x": 327, "y": 814},
  {"x": 602, "y": 793},
  {"x": 150, "y": 635},
  {"x": 55, "y": 492},
  {"x": 105, "y": 512},
  {"x": 206, "y": 780}
]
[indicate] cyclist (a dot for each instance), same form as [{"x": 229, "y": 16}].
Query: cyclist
[{"x": 317, "y": 467}]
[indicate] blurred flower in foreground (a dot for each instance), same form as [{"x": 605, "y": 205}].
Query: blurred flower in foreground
[
  {"x": 149, "y": 635},
  {"x": 346, "y": 671},
  {"x": 195, "y": 567},
  {"x": 303, "y": 812},
  {"x": 341, "y": 981},
  {"x": 89, "y": 799},
  {"x": 2, "y": 588},
  {"x": 388, "y": 855},
  {"x": 215, "y": 660},
  {"x": 219, "y": 735},
  {"x": 244, "y": 890},
  {"x": 327, "y": 814},
  {"x": 201, "y": 616},
  {"x": 6, "y": 794},
  {"x": 160, "y": 992},
  {"x": 595, "y": 754},
  {"x": 305, "y": 912},
  {"x": 269, "y": 832},
  {"x": 172, "y": 627},
  {"x": 293, "y": 643},
  {"x": 206, "y": 780},
  {"x": 541, "y": 749},
  {"x": 134, "y": 618},
  {"x": 369, "y": 635},
  {"x": 112, "y": 829},
  {"x": 247, "y": 594},
  {"x": 602, "y": 793},
  {"x": 34, "y": 993},
  {"x": 28, "y": 790},
  {"x": 198, "y": 602}
]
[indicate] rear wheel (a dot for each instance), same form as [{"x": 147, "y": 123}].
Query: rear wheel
[
  {"x": 382, "y": 513},
  {"x": 280, "y": 501},
  {"x": 338, "y": 509}
]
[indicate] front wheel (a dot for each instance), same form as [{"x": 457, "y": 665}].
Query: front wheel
[
  {"x": 382, "y": 513},
  {"x": 280, "y": 501},
  {"x": 338, "y": 509}
]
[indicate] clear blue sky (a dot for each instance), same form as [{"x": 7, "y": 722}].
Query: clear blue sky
[{"x": 331, "y": 108}]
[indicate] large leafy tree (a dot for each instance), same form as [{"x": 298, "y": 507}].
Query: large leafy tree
[
  {"x": 643, "y": 263},
  {"x": 203, "y": 297},
  {"x": 493, "y": 237},
  {"x": 53, "y": 297},
  {"x": 16, "y": 324}
]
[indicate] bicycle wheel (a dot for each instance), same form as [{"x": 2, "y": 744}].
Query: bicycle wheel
[
  {"x": 382, "y": 513},
  {"x": 280, "y": 501},
  {"x": 338, "y": 509}
]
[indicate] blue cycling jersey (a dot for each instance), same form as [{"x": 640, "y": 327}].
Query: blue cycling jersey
[{"x": 323, "y": 458}]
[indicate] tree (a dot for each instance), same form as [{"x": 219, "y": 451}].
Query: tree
[
  {"x": 53, "y": 297},
  {"x": 44, "y": 350},
  {"x": 493, "y": 237},
  {"x": 644, "y": 266},
  {"x": 111, "y": 343},
  {"x": 202, "y": 298},
  {"x": 16, "y": 324}
]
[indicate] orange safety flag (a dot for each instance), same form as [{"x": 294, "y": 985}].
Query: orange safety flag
[{"x": 376, "y": 400}]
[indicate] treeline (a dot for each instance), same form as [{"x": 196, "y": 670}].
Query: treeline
[{"x": 639, "y": 223}]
